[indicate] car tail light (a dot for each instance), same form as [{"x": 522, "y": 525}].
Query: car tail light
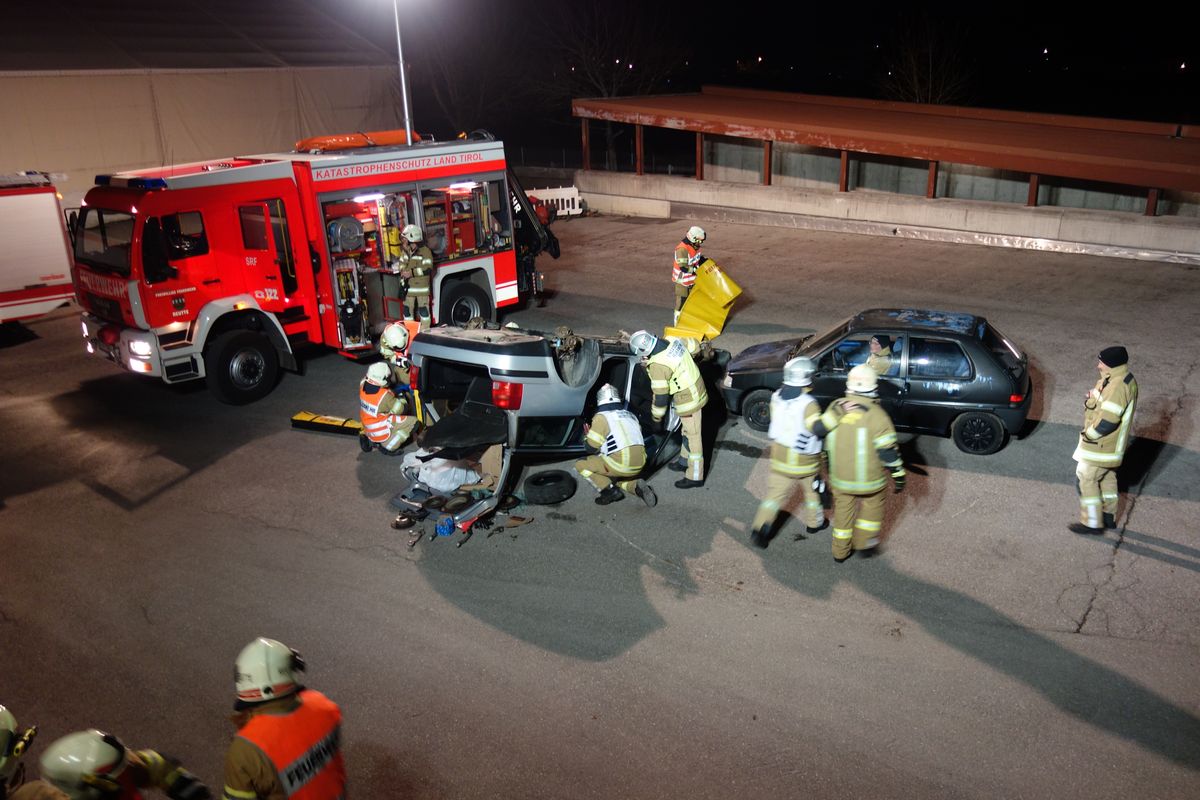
[
  {"x": 414, "y": 375},
  {"x": 506, "y": 395},
  {"x": 109, "y": 335},
  {"x": 1016, "y": 398}
]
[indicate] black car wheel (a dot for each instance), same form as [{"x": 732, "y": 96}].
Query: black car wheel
[
  {"x": 978, "y": 433},
  {"x": 756, "y": 409},
  {"x": 549, "y": 487}
]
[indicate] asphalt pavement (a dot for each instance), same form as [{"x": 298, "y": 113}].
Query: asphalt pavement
[{"x": 147, "y": 533}]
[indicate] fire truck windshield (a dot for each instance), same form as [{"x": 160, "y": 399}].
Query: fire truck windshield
[{"x": 103, "y": 238}]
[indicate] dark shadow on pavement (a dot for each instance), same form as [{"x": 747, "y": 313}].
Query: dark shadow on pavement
[{"x": 14, "y": 333}]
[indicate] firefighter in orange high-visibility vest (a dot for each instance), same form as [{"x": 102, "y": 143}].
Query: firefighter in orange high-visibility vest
[
  {"x": 687, "y": 259},
  {"x": 288, "y": 743},
  {"x": 387, "y": 423}
]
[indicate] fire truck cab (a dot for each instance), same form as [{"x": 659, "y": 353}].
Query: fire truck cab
[{"x": 220, "y": 270}]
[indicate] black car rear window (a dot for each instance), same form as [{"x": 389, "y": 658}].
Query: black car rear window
[
  {"x": 937, "y": 358},
  {"x": 1007, "y": 353}
]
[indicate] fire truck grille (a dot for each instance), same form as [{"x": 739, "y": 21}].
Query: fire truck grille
[{"x": 103, "y": 307}]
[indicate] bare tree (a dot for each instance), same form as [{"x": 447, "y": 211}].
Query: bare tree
[
  {"x": 607, "y": 48},
  {"x": 927, "y": 62}
]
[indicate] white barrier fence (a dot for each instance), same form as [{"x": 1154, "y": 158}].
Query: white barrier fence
[{"x": 564, "y": 200}]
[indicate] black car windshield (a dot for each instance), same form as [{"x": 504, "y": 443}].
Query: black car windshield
[
  {"x": 102, "y": 239},
  {"x": 816, "y": 344},
  {"x": 1005, "y": 351}
]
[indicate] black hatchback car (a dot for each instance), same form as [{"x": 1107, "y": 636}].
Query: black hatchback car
[{"x": 941, "y": 373}]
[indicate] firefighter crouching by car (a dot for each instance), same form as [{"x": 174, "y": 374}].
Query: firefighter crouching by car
[
  {"x": 387, "y": 425},
  {"x": 289, "y": 737},
  {"x": 614, "y": 438},
  {"x": 393, "y": 346},
  {"x": 687, "y": 258},
  {"x": 416, "y": 269},
  {"x": 93, "y": 765},
  {"x": 675, "y": 380},
  {"x": 1107, "y": 424},
  {"x": 860, "y": 449},
  {"x": 797, "y": 428}
]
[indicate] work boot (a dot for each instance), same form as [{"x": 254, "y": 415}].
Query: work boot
[
  {"x": 824, "y": 524},
  {"x": 678, "y": 465},
  {"x": 1110, "y": 521},
  {"x": 611, "y": 494},
  {"x": 1079, "y": 527},
  {"x": 643, "y": 490},
  {"x": 759, "y": 537},
  {"x": 842, "y": 560},
  {"x": 687, "y": 483}
]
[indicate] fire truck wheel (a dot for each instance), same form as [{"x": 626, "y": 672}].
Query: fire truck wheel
[
  {"x": 241, "y": 366},
  {"x": 463, "y": 301}
]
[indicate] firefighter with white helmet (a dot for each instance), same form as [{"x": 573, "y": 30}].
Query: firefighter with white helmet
[
  {"x": 14, "y": 742},
  {"x": 796, "y": 431},
  {"x": 94, "y": 765},
  {"x": 393, "y": 346},
  {"x": 387, "y": 423},
  {"x": 862, "y": 451},
  {"x": 676, "y": 381},
  {"x": 618, "y": 451},
  {"x": 289, "y": 737},
  {"x": 415, "y": 267},
  {"x": 687, "y": 259}
]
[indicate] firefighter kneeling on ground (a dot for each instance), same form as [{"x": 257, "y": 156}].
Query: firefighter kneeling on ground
[
  {"x": 675, "y": 380},
  {"x": 619, "y": 451},
  {"x": 289, "y": 738},
  {"x": 387, "y": 425},
  {"x": 393, "y": 346},
  {"x": 797, "y": 428},
  {"x": 860, "y": 448},
  {"x": 93, "y": 765}
]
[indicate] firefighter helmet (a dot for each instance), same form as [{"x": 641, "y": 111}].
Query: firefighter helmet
[
  {"x": 379, "y": 374},
  {"x": 394, "y": 337},
  {"x": 84, "y": 765},
  {"x": 862, "y": 380},
  {"x": 696, "y": 235},
  {"x": 799, "y": 371},
  {"x": 642, "y": 343},
  {"x": 266, "y": 669},
  {"x": 412, "y": 233},
  {"x": 607, "y": 394}
]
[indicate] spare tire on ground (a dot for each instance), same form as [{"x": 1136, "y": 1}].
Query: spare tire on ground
[{"x": 549, "y": 487}]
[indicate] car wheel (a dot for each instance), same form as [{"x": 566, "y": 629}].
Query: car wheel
[
  {"x": 241, "y": 367},
  {"x": 978, "y": 433},
  {"x": 756, "y": 409},
  {"x": 462, "y": 302},
  {"x": 549, "y": 487}
]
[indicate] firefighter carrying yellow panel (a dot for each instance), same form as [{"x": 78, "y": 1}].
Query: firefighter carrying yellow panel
[{"x": 708, "y": 305}]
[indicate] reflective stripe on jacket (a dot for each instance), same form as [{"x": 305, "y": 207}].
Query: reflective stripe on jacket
[
  {"x": 855, "y": 464},
  {"x": 686, "y": 259},
  {"x": 377, "y": 406},
  {"x": 1108, "y": 419},
  {"x": 304, "y": 746}
]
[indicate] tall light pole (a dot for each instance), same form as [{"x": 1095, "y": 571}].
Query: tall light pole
[{"x": 403, "y": 76}]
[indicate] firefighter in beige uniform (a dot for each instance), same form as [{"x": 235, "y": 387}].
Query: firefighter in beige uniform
[
  {"x": 619, "y": 451},
  {"x": 675, "y": 381},
  {"x": 14, "y": 742},
  {"x": 93, "y": 765},
  {"x": 687, "y": 259},
  {"x": 797, "y": 428},
  {"x": 288, "y": 745},
  {"x": 393, "y": 346},
  {"x": 416, "y": 269},
  {"x": 385, "y": 418},
  {"x": 862, "y": 450},
  {"x": 1107, "y": 424}
]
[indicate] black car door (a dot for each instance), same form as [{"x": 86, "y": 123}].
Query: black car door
[
  {"x": 835, "y": 363},
  {"x": 939, "y": 374}
]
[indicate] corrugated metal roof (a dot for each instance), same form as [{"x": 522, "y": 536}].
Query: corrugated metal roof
[
  {"x": 1152, "y": 155},
  {"x": 57, "y": 35}
]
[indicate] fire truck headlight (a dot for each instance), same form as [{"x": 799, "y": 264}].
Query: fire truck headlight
[
  {"x": 139, "y": 366},
  {"x": 91, "y": 350},
  {"x": 140, "y": 348},
  {"x": 84, "y": 326}
]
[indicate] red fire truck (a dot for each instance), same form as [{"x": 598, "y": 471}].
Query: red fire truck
[{"x": 220, "y": 270}]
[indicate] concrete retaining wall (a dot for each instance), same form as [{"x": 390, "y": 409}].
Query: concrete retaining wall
[{"x": 1112, "y": 233}]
